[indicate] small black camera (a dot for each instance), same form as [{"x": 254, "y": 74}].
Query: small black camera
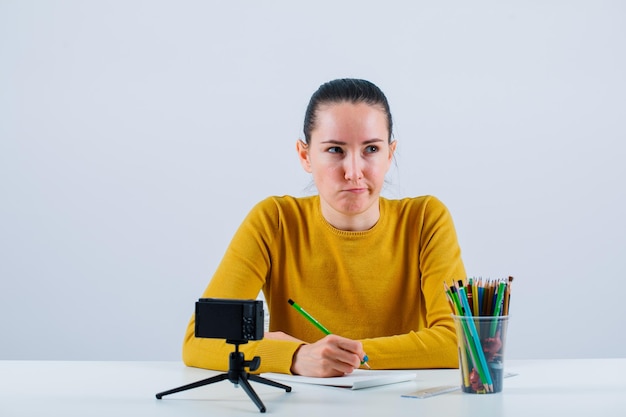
[{"x": 230, "y": 319}]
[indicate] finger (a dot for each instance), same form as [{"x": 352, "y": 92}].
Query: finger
[
  {"x": 345, "y": 360},
  {"x": 352, "y": 346}
]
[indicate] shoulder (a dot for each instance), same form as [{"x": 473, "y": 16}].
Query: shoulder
[
  {"x": 414, "y": 212},
  {"x": 286, "y": 203},
  {"x": 279, "y": 208},
  {"x": 427, "y": 216},
  {"x": 423, "y": 204}
]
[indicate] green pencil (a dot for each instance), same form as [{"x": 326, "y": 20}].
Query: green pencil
[
  {"x": 309, "y": 317},
  {"x": 319, "y": 325},
  {"x": 498, "y": 309}
]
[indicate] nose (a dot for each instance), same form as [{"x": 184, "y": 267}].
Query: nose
[{"x": 353, "y": 169}]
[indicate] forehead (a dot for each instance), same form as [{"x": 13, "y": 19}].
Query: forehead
[
  {"x": 352, "y": 119},
  {"x": 349, "y": 107}
]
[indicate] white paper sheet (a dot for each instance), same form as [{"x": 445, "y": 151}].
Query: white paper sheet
[{"x": 359, "y": 379}]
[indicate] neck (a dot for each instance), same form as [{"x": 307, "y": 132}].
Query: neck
[{"x": 351, "y": 222}]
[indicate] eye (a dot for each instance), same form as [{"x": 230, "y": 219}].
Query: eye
[
  {"x": 334, "y": 149},
  {"x": 371, "y": 149}
]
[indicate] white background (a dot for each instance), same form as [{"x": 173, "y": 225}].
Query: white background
[{"x": 136, "y": 135}]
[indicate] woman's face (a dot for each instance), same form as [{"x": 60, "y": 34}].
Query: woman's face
[{"x": 349, "y": 155}]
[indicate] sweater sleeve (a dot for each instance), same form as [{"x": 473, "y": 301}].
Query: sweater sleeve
[
  {"x": 434, "y": 344},
  {"x": 240, "y": 275}
]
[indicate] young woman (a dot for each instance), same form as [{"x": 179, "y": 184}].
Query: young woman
[{"x": 370, "y": 269}]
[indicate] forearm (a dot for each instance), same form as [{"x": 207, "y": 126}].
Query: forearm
[{"x": 276, "y": 355}]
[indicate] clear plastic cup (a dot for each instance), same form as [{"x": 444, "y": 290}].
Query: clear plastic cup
[{"x": 481, "y": 341}]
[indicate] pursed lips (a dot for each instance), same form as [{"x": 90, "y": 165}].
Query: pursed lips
[{"x": 356, "y": 190}]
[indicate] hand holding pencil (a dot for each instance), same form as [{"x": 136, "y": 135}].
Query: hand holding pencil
[{"x": 331, "y": 356}]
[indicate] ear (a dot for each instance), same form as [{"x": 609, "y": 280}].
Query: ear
[
  {"x": 392, "y": 149},
  {"x": 303, "y": 155}
]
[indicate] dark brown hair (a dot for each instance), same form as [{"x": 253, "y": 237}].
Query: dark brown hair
[{"x": 349, "y": 90}]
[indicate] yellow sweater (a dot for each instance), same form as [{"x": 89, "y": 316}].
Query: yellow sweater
[{"x": 383, "y": 286}]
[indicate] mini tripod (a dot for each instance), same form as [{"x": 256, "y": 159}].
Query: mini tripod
[{"x": 237, "y": 375}]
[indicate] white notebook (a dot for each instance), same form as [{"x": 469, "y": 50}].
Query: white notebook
[{"x": 359, "y": 379}]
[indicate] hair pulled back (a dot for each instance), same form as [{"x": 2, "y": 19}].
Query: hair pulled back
[{"x": 341, "y": 90}]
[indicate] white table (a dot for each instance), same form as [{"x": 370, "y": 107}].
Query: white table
[{"x": 586, "y": 387}]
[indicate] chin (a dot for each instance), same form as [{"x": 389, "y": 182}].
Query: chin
[{"x": 354, "y": 209}]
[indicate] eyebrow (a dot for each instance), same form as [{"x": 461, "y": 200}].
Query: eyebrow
[{"x": 338, "y": 142}]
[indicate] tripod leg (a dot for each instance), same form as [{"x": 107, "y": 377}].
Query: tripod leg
[
  {"x": 197, "y": 384},
  {"x": 243, "y": 381},
  {"x": 266, "y": 381}
]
